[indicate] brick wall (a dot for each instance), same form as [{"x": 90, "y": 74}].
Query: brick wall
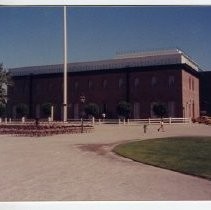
[
  {"x": 205, "y": 96},
  {"x": 190, "y": 95},
  {"x": 140, "y": 86}
]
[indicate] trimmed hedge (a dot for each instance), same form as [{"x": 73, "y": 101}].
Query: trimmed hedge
[{"x": 42, "y": 130}]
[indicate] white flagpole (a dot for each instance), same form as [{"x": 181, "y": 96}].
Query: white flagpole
[{"x": 65, "y": 67}]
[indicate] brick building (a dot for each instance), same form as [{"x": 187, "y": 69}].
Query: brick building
[
  {"x": 205, "y": 96},
  {"x": 169, "y": 77}
]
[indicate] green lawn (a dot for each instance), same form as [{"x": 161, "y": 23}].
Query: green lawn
[{"x": 190, "y": 155}]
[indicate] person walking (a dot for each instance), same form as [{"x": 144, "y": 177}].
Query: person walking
[
  {"x": 145, "y": 128},
  {"x": 161, "y": 126}
]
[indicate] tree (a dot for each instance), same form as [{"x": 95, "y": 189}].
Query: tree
[
  {"x": 2, "y": 110},
  {"x": 22, "y": 110},
  {"x": 92, "y": 109},
  {"x": 46, "y": 109},
  {"x": 5, "y": 81},
  {"x": 159, "y": 110},
  {"x": 124, "y": 109}
]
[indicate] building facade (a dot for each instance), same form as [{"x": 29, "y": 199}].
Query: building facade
[
  {"x": 166, "y": 77},
  {"x": 205, "y": 96}
]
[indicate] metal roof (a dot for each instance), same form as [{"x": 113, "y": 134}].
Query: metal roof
[{"x": 152, "y": 58}]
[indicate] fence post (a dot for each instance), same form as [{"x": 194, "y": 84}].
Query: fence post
[
  {"x": 93, "y": 120},
  {"x": 99, "y": 121},
  {"x": 169, "y": 120},
  {"x": 0, "y": 120},
  {"x": 124, "y": 121},
  {"x": 23, "y": 119},
  {"x": 52, "y": 113},
  {"x": 10, "y": 120},
  {"x": 149, "y": 121},
  {"x": 119, "y": 121}
]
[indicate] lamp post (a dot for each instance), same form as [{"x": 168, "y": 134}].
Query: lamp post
[
  {"x": 65, "y": 67},
  {"x": 82, "y": 99}
]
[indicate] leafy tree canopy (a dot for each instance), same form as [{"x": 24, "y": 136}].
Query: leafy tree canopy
[
  {"x": 159, "y": 110},
  {"x": 46, "y": 109},
  {"x": 5, "y": 80},
  {"x": 92, "y": 109},
  {"x": 124, "y": 109},
  {"x": 22, "y": 110},
  {"x": 2, "y": 110}
]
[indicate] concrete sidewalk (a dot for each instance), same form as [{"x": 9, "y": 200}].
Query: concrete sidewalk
[{"x": 82, "y": 167}]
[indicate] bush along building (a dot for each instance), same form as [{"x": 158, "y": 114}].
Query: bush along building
[{"x": 169, "y": 78}]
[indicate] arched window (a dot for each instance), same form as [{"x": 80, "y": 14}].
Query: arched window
[
  {"x": 121, "y": 83},
  {"x": 76, "y": 85},
  {"x": 90, "y": 84},
  {"x": 154, "y": 81},
  {"x": 171, "y": 81},
  {"x": 190, "y": 83},
  {"x": 136, "y": 82},
  {"x": 105, "y": 83}
]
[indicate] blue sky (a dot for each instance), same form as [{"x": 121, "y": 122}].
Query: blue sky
[{"x": 34, "y": 35}]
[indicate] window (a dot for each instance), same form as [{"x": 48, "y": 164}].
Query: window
[
  {"x": 76, "y": 85},
  {"x": 171, "y": 81},
  {"x": 50, "y": 86},
  {"x": 193, "y": 110},
  {"x": 24, "y": 87},
  {"x": 152, "y": 114},
  {"x": 192, "y": 84},
  {"x": 105, "y": 83},
  {"x": 90, "y": 84},
  {"x": 189, "y": 109},
  {"x": 136, "y": 110},
  {"x": 76, "y": 111},
  {"x": 37, "y": 110},
  {"x": 136, "y": 82},
  {"x": 171, "y": 109},
  {"x": 37, "y": 87},
  {"x": 154, "y": 81},
  {"x": 121, "y": 83},
  {"x": 104, "y": 108}
]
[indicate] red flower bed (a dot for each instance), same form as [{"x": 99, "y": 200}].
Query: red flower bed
[{"x": 42, "y": 129}]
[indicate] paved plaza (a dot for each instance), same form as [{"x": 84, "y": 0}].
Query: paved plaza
[{"x": 82, "y": 167}]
